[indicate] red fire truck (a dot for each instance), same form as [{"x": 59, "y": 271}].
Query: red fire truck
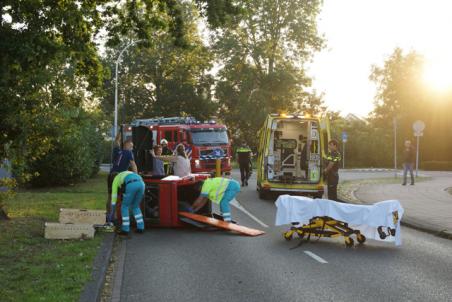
[{"x": 204, "y": 142}]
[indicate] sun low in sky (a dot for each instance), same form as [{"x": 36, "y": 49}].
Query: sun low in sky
[
  {"x": 438, "y": 72},
  {"x": 361, "y": 33}
]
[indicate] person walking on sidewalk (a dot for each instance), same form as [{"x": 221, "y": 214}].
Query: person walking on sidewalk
[
  {"x": 331, "y": 171},
  {"x": 244, "y": 158},
  {"x": 408, "y": 162},
  {"x": 219, "y": 190},
  {"x": 132, "y": 186}
]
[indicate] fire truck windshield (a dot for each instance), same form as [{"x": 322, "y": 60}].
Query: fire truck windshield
[{"x": 209, "y": 137}]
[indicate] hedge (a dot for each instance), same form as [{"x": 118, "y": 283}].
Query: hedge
[{"x": 437, "y": 165}]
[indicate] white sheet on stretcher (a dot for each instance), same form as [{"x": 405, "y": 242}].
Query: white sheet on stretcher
[{"x": 366, "y": 218}]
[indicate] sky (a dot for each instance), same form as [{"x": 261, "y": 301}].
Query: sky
[{"x": 362, "y": 33}]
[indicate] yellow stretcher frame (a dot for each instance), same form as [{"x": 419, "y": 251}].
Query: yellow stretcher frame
[{"x": 325, "y": 227}]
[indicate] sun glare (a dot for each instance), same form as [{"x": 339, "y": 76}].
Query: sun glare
[{"x": 438, "y": 74}]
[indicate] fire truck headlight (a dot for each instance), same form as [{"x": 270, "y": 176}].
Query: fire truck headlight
[{"x": 197, "y": 163}]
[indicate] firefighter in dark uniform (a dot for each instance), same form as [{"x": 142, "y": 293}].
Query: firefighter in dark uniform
[
  {"x": 331, "y": 171},
  {"x": 244, "y": 158}
]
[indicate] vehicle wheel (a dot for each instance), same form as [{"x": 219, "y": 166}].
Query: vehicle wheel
[
  {"x": 263, "y": 194},
  {"x": 349, "y": 242},
  {"x": 381, "y": 233},
  {"x": 300, "y": 234},
  {"x": 391, "y": 231},
  {"x": 287, "y": 235},
  {"x": 361, "y": 238},
  {"x": 318, "y": 195}
]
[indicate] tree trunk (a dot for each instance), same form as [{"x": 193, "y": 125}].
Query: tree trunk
[{"x": 3, "y": 214}]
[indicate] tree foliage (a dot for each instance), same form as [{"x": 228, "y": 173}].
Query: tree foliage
[
  {"x": 48, "y": 62},
  {"x": 162, "y": 78},
  {"x": 263, "y": 61},
  {"x": 402, "y": 94}
]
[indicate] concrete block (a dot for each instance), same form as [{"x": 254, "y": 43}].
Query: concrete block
[
  {"x": 68, "y": 231},
  {"x": 82, "y": 216}
]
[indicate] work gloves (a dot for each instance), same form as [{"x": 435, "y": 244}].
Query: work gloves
[{"x": 111, "y": 215}]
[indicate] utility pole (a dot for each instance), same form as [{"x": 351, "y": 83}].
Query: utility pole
[
  {"x": 418, "y": 127},
  {"x": 395, "y": 146}
]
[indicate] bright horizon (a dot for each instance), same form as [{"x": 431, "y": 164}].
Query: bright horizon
[{"x": 361, "y": 33}]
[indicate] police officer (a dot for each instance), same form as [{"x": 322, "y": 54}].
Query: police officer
[
  {"x": 219, "y": 190},
  {"x": 244, "y": 159},
  {"x": 132, "y": 186},
  {"x": 332, "y": 167}
]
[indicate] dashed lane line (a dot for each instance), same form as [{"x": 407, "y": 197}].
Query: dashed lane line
[
  {"x": 237, "y": 205},
  {"x": 315, "y": 257}
]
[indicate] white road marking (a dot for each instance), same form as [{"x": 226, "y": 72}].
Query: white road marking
[
  {"x": 314, "y": 256},
  {"x": 237, "y": 205}
]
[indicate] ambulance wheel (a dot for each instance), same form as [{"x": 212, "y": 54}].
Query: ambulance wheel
[
  {"x": 263, "y": 194},
  {"x": 349, "y": 242},
  {"x": 361, "y": 238},
  {"x": 287, "y": 235}
]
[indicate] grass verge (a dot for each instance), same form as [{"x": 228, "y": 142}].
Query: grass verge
[
  {"x": 347, "y": 188},
  {"x": 36, "y": 269}
]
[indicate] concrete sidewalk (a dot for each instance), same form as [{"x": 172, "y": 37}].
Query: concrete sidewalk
[{"x": 428, "y": 205}]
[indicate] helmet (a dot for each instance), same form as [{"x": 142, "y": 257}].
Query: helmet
[{"x": 163, "y": 142}]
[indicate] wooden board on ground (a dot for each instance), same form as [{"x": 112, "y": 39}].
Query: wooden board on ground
[
  {"x": 222, "y": 224},
  {"x": 68, "y": 231},
  {"x": 82, "y": 216}
]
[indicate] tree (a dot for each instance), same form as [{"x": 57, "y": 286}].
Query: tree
[
  {"x": 263, "y": 61},
  {"x": 402, "y": 94},
  {"x": 47, "y": 56},
  {"x": 163, "y": 78}
]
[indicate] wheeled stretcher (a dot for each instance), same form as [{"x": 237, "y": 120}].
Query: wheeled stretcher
[{"x": 326, "y": 218}]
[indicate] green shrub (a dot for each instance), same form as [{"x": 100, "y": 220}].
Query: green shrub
[
  {"x": 106, "y": 151},
  {"x": 7, "y": 186},
  {"x": 74, "y": 156},
  {"x": 437, "y": 165}
]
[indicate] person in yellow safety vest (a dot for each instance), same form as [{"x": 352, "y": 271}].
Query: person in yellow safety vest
[
  {"x": 244, "y": 159},
  {"x": 219, "y": 190},
  {"x": 132, "y": 186},
  {"x": 166, "y": 151}
]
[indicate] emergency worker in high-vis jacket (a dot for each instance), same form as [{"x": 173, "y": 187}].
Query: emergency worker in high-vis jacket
[
  {"x": 244, "y": 159},
  {"x": 219, "y": 190},
  {"x": 331, "y": 171},
  {"x": 132, "y": 186}
]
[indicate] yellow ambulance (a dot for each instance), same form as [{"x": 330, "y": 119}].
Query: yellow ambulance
[{"x": 290, "y": 155}]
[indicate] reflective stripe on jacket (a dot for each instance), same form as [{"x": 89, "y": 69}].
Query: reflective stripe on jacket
[{"x": 214, "y": 188}]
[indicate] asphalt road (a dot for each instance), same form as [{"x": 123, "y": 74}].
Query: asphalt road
[{"x": 192, "y": 265}]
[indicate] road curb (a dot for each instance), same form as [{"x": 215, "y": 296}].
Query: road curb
[{"x": 93, "y": 289}]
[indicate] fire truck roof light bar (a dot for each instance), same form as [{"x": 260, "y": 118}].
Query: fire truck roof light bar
[{"x": 167, "y": 121}]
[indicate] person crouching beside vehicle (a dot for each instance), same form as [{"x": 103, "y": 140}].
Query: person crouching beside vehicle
[
  {"x": 219, "y": 190},
  {"x": 132, "y": 186}
]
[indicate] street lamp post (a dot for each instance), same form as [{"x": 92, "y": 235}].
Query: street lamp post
[
  {"x": 116, "y": 84},
  {"x": 395, "y": 146}
]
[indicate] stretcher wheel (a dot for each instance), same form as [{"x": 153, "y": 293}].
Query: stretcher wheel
[
  {"x": 300, "y": 234},
  {"x": 381, "y": 233},
  {"x": 349, "y": 242},
  {"x": 361, "y": 238},
  {"x": 391, "y": 231},
  {"x": 287, "y": 235}
]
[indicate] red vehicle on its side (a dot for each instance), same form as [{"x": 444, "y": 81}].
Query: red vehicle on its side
[{"x": 204, "y": 141}]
